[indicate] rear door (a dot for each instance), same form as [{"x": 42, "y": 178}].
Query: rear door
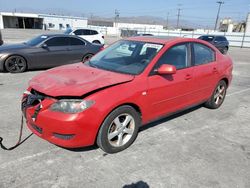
[
  {"x": 205, "y": 71},
  {"x": 169, "y": 93},
  {"x": 77, "y": 49}
]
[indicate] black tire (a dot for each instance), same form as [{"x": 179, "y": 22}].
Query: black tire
[
  {"x": 106, "y": 139},
  {"x": 15, "y": 64},
  {"x": 96, "y": 42},
  {"x": 87, "y": 57},
  {"x": 218, "y": 94}
]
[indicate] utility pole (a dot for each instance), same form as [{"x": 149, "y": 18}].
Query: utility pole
[
  {"x": 117, "y": 15},
  {"x": 178, "y": 16},
  {"x": 167, "y": 20},
  {"x": 218, "y": 14}
]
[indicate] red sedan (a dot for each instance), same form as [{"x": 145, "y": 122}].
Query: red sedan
[{"x": 127, "y": 85}]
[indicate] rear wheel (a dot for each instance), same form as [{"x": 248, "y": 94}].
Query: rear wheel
[
  {"x": 96, "y": 42},
  {"x": 87, "y": 57},
  {"x": 119, "y": 130},
  {"x": 225, "y": 50},
  {"x": 15, "y": 64},
  {"x": 218, "y": 96}
]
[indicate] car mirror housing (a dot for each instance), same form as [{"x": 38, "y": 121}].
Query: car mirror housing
[
  {"x": 166, "y": 69},
  {"x": 45, "y": 46}
]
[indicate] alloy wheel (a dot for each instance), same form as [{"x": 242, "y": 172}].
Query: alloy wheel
[
  {"x": 121, "y": 130},
  {"x": 219, "y": 94},
  {"x": 15, "y": 64}
]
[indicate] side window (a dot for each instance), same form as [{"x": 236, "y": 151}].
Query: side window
[
  {"x": 75, "y": 42},
  {"x": 176, "y": 55},
  {"x": 78, "y": 32},
  {"x": 203, "y": 54},
  {"x": 57, "y": 41},
  {"x": 93, "y": 32},
  {"x": 86, "y": 32}
]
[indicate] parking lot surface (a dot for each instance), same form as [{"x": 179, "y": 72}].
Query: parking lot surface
[{"x": 196, "y": 148}]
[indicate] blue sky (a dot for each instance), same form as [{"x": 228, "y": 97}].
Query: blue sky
[{"x": 202, "y": 12}]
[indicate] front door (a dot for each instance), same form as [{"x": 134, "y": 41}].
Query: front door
[{"x": 169, "y": 93}]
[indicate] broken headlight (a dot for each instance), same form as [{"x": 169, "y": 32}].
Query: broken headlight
[{"x": 71, "y": 106}]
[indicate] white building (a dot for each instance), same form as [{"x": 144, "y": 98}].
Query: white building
[{"x": 39, "y": 21}]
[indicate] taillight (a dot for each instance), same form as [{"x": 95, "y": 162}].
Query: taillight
[{"x": 102, "y": 48}]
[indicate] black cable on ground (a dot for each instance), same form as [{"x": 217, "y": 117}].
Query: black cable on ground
[{"x": 19, "y": 139}]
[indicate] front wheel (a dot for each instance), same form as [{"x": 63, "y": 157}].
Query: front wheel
[
  {"x": 218, "y": 96},
  {"x": 119, "y": 130},
  {"x": 15, "y": 64}
]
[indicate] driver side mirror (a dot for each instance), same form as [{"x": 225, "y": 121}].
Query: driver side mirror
[
  {"x": 166, "y": 69},
  {"x": 45, "y": 46}
]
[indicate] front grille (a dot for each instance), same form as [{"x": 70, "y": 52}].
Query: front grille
[
  {"x": 38, "y": 129},
  {"x": 64, "y": 136}
]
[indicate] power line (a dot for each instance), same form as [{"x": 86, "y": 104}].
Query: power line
[{"x": 218, "y": 14}]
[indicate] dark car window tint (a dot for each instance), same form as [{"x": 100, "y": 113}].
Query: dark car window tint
[
  {"x": 93, "y": 32},
  {"x": 75, "y": 41},
  {"x": 78, "y": 32},
  {"x": 86, "y": 32},
  {"x": 58, "y": 41},
  {"x": 220, "y": 39},
  {"x": 177, "y": 56},
  {"x": 203, "y": 54}
]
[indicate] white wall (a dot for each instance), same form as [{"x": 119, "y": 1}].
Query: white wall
[
  {"x": 1, "y": 22},
  {"x": 138, "y": 26},
  {"x": 56, "y": 21}
]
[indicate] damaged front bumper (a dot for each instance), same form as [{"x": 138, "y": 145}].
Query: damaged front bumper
[{"x": 66, "y": 130}]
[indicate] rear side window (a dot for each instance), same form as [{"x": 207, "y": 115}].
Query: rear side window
[
  {"x": 58, "y": 41},
  {"x": 177, "y": 56},
  {"x": 75, "y": 42},
  {"x": 203, "y": 54},
  {"x": 222, "y": 39},
  {"x": 93, "y": 32},
  {"x": 78, "y": 32},
  {"x": 86, "y": 32}
]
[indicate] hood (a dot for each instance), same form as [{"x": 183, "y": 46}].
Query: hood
[
  {"x": 13, "y": 47},
  {"x": 75, "y": 80}
]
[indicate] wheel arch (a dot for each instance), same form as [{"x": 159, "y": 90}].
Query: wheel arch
[
  {"x": 133, "y": 105},
  {"x": 226, "y": 80},
  {"x": 9, "y": 55}
]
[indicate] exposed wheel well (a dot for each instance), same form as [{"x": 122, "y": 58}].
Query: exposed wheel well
[
  {"x": 96, "y": 41},
  {"x": 226, "y": 80}
]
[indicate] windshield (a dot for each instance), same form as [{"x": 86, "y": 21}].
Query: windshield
[
  {"x": 37, "y": 40},
  {"x": 128, "y": 57},
  {"x": 207, "y": 38},
  {"x": 68, "y": 31}
]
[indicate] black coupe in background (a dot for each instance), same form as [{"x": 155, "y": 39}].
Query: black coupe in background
[
  {"x": 46, "y": 51},
  {"x": 218, "y": 41}
]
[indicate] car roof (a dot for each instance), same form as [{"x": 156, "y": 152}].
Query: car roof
[
  {"x": 160, "y": 39},
  {"x": 57, "y": 35}
]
